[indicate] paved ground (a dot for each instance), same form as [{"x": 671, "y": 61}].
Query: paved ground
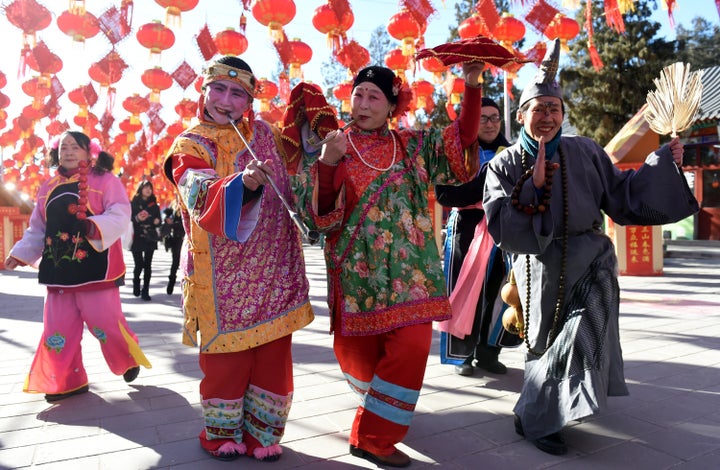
[{"x": 671, "y": 337}]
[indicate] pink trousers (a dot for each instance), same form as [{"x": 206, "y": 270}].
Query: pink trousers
[{"x": 57, "y": 366}]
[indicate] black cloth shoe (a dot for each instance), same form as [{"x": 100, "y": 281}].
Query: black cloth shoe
[
  {"x": 487, "y": 359},
  {"x": 131, "y": 374},
  {"x": 146, "y": 295},
  {"x": 464, "y": 369},
  {"x": 53, "y": 397},
  {"x": 136, "y": 288},
  {"x": 552, "y": 444},
  {"x": 494, "y": 367},
  {"x": 518, "y": 426},
  {"x": 396, "y": 459}
]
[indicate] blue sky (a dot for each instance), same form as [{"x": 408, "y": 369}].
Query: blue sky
[{"x": 369, "y": 14}]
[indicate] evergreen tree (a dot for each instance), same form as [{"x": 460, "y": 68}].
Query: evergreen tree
[
  {"x": 599, "y": 103},
  {"x": 698, "y": 47},
  {"x": 380, "y": 44}
]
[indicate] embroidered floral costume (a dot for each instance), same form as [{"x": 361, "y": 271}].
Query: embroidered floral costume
[
  {"x": 244, "y": 286},
  {"x": 385, "y": 278}
]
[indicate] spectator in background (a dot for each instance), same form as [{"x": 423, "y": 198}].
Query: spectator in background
[
  {"x": 483, "y": 267},
  {"x": 173, "y": 234},
  {"x": 146, "y": 225}
]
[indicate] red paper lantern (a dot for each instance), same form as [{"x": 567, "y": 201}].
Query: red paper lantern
[
  {"x": 435, "y": 67},
  {"x": 43, "y": 61},
  {"x": 135, "y": 104},
  {"x": 343, "y": 91},
  {"x": 403, "y": 27},
  {"x": 473, "y": 26},
  {"x": 56, "y": 127},
  {"x": 4, "y": 100},
  {"x": 108, "y": 70},
  {"x": 33, "y": 113},
  {"x": 397, "y": 61},
  {"x": 174, "y": 9},
  {"x": 353, "y": 56},
  {"x": 30, "y": 17},
  {"x": 457, "y": 88},
  {"x": 3, "y": 80},
  {"x": 175, "y": 129},
  {"x": 157, "y": 80},
  {"x": 266, "y": 91},
  {"x": 156, "y": 37},
  {"x": 129, "y": 127},
  {"x": 186, "y": 109},
  {"x": 300, "y": 54},
  {"x": 325, "y": 19},
  {"x": 274, "y": 14},
  {"x": 231, "y": 42},
  {"x": 509, "y": 30},
  {"x": 563, "y": 28},
  {"x": 423, "y": 93},
  {"x": 79, "y": 26}
]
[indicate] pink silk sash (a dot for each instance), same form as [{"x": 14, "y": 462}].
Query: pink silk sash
[{"x": 466, "y": 293}]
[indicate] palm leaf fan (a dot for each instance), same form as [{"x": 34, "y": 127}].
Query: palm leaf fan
[{"x": 672, "y": 107}]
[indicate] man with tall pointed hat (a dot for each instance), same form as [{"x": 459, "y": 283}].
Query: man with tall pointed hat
[{"x": 545, "y": 200}]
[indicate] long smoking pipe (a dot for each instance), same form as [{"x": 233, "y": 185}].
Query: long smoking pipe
[
  {"x": 312, "y": 236},
  {"x": 330, "y": 135}
]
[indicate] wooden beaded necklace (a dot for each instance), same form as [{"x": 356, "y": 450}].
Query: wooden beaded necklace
[{"x": 563, "y": 258}]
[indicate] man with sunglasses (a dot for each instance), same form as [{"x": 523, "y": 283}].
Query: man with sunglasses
[{"x": 482, "y": 266}]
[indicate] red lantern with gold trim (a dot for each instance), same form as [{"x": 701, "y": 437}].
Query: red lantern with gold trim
[
  {"x": 274, "y": 14},
  {"x": 267, "y": 90},
  {"x": 300, "y": 54},
  {"x": 79, "y": 26},
  {"x": 156, "y": 37},
  {"x": 403, "y": 27},
  {"x": 231, "y": 42},
  {"x": 135, "y": 104},
  {"x": 4, "y": 100},
  {"x": 435, "y": 67},
  {"x": 563, "y": 28},
  {"x": 397, "y": 61},
  {"x": 174, "y": 9},
  {"x": 157, "y": 80},
  {"x": 423, "y": 93},
  {"x": 509, "y": 30},
  {"x": 353, "y": 56},
  {"x": 472, "y": 26},
  {"x": 325, "y": 19},
  {"x": 30, "y": 17},
  {"x": 186, "y": 109},
  {"x": 343, "y": 92}
]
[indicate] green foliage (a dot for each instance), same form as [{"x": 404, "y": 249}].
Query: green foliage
[
  {"x": 599, "y": 103},
  {"x": 698, "y": 47},
  {"x": 380, "y": 44}
]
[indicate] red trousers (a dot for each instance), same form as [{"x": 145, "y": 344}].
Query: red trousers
[
  {"x": 387, "y": 371},
  {"x": 246, "y": 395}
]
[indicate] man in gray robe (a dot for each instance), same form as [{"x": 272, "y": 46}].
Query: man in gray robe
[{"x": 544, "y": 199}]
